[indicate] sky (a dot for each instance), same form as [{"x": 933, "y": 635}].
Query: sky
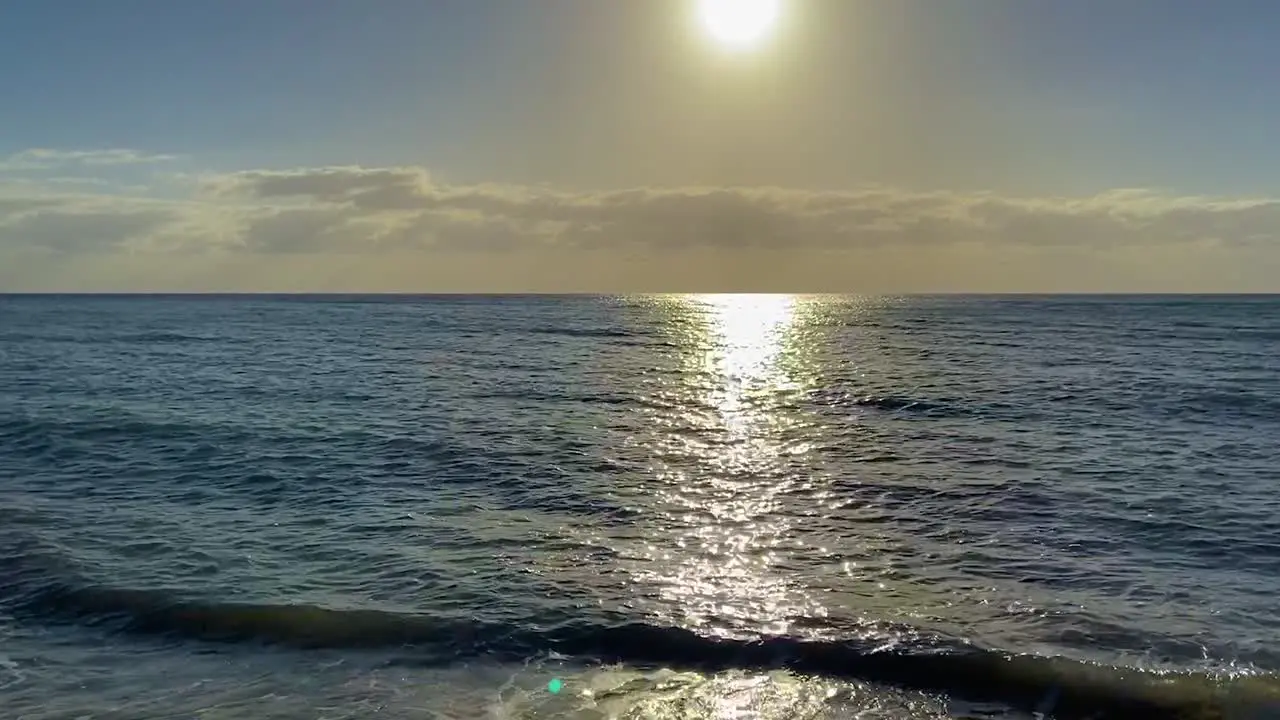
[{"x": 866, "y": 146}]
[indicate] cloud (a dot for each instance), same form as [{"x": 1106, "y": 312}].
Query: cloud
[
  {"x": 48, "y": 159},
  {"x": 15, "y": 206},
  {"x": 97, "y": 231},
  {"x": 308, "y": 230},
  {"x": 376, "y": 188},
  {"x": 663, "y": 218},
  {"x": 751, "y": 236},
  {"x": 79, "y": 224}
]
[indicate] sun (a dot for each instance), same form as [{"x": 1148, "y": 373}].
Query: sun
[{"x": 739, "y": 24}]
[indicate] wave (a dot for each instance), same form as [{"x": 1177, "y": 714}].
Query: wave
[
  {"x": 838, "y": 399},
  {"x": 582, "y": 332},
  {"x": 1235, "y": 404},
  {"x": 587, "y": 398},
  {"x": 56, "y": 438},
  {"x": 157, "y": 337},
  {"x": 37, "y": 591}
]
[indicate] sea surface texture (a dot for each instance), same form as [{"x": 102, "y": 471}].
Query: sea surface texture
[{"x": 230, "y": 508}]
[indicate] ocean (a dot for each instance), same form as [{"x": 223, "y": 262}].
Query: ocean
[{"x": 328, "y": 507}]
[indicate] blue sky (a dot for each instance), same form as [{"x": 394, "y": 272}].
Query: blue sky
[
  {"x": 1171, "y": 93},
  {"x": 1022, "y": 98}
]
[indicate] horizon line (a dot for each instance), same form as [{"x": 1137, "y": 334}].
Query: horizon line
[{"x": 573, "y": 293}]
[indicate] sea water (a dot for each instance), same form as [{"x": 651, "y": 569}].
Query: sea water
[{"x": 676, "y": 506}]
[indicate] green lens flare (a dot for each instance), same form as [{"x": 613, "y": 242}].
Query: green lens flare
[{"x": 555, "y": 685}]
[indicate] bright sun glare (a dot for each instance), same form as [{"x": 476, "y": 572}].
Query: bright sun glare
[{"x": 739, "y": 23}]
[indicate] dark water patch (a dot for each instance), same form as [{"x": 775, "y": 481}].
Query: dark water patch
[
  {"x": 55, "y": 443},
  {"x": 1263, "y": 334},
  {"x": 533, "y": 395},
  {"x": 1182, "y": 539},
  {"x": 161, "y": 337},
  {"x": 1217, "y": 405},
  {"x": 96, "y": 338},
  {"x": 898, "y": 404},
  {"x": 582, "y": 332},
  {"x": 880, "y": 457},
  {"x": 113, "y": 427},
  {"x": 185, "y": 441}
]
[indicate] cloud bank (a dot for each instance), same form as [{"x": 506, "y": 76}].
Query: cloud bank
[{"x": 399, "y": 229}]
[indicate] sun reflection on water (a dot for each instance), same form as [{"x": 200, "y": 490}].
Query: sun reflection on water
[
  {"x": 724, "y": 470},
  {"x": 746, "y": 333},
  {"x": 749, "y": 330}
]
